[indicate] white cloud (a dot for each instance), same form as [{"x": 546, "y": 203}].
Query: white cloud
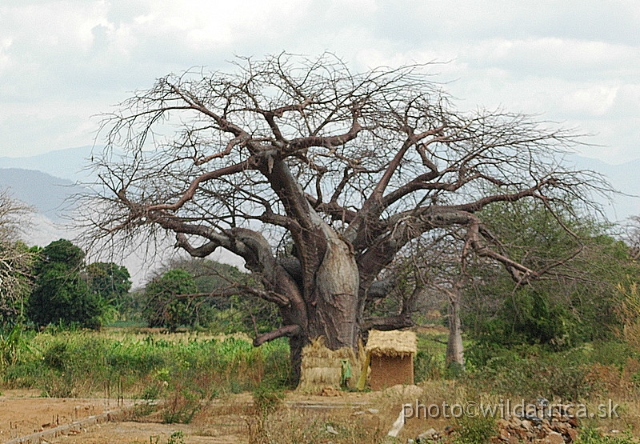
[
  {"x": 595, "y": 100},
  {"x": 566, "y": 58},
  {"x": 64, "y": 60},
  {"x": 5, "y": 60}
]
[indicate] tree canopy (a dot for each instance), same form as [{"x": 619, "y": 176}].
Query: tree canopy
[
  {"x": 348, "y": 168},
  {"x": 109, "y": 281},
  {"x": 61, "y": 294},
  {"x": 576, "y": 298},
  {"x": 163, "y": 307}
]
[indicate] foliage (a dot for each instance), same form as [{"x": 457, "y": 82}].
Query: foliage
[
  {"x": 531, "y": 371},
  {"x": 574, "y": 302},
  {"x": 164, "y": 307},
  {"x": 591, "y": 435},
  {"x": 238, "y": 312},
  {"x": 429, "y": 361},
  {"x": 14, "y": 345},
  {"x": 475, "y": 429},
  {"x": 61, "y": 294},
  {"x": 182, "y": 369},
  {"x": 267, "y": 398},
  {"x": 111, "y": 282},
  {"x": 181, "y": 405},
  {"x": 629, "y": 312},
  {"x": 176, "y": 437}
]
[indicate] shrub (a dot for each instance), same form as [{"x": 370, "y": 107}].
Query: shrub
[
  {"x": 533, "y": 371},
  {"x": 475, "y": 430}
]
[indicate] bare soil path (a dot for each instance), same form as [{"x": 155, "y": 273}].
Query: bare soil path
[{"x": 226, "y": 420}]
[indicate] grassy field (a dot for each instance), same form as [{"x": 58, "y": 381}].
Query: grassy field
[
  {"x": 142, "y": 364},
  {"x": 185, "y": 370}
]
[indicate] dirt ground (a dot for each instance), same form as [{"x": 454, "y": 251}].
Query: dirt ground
[
  {"x": 23, "y": 412},
  {"x": 223, "y": 421}
]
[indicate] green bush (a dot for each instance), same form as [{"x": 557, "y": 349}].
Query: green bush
[
  {"x": 267, "y": 398},
  {"x": 591, "y": 435},
  {"x": 533, "y": 371},
  {"x": 475, "y": 430}
]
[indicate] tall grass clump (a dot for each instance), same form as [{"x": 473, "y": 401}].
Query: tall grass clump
[{"x": 83, "y": 363}]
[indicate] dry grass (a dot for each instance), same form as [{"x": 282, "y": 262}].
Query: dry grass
[
  {"x": 322, "y": 367},
  {"x": 288, "y": 426}
]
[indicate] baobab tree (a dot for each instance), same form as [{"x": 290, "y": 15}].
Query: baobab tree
[{"x": 351, "y": 167}]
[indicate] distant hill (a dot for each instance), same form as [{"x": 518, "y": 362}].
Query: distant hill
[
  {"x": 49, "y": 195},
  {"x": 69, "y": 163}
]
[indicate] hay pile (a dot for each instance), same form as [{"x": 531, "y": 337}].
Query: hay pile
[
  {"x": 393, "y": 343},
  {"x": 322, "y": 367}
]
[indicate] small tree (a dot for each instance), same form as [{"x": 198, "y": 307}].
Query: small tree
[
  {"x": 575, "y": 296},
  {"x": 109, "y": 281},
  {"x": 15, "y": 260},
  {"x": 221, "y": 301},
  {"x": 163, "y": 308},
  {"x": 61, "y": 294}
]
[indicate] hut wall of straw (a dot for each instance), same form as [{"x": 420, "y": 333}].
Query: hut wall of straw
[{"x": 322, "y": 367}]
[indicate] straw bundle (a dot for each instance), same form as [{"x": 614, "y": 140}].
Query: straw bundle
[
  {"x": 393, "y": 344},
  {"x": 322, "y": 367}
]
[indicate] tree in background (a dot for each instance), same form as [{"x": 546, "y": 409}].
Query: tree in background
[
  {"x": 61, "y": 295},
  {"x": 575, "y": 298},
  {"x": 164, "y": 307},
  {"x": 633, "y": 236},
  {"x": 236, "y": 309},
  {"x": 352, "y": 167},
  {"x": 15, "y": 260},
  {"x": 109, "y": 281}
]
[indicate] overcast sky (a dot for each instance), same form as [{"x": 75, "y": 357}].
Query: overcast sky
[{"x": 575, "y": 62}]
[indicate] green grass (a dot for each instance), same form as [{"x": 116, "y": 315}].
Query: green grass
[{"x": 81, "y": 363}]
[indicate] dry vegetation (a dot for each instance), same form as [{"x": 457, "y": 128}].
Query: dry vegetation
[{"x": 213, "y": 389}]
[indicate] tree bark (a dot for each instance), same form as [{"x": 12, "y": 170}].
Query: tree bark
[
  {"x": 455, "y": 348},
  {"x": 334, "y": 303}
]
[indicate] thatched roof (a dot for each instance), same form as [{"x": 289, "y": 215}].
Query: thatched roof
[{"x": 391, "y": 343}]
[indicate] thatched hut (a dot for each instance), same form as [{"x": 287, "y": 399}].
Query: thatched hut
[
  {"x": 322, "y": 368},
  {"x": 391, "y": 354}
]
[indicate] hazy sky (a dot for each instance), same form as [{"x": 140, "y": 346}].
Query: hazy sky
[{"x": 575, "y": 62}]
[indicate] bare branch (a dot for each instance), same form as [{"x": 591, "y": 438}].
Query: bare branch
[{"x": 287, "y": 330}]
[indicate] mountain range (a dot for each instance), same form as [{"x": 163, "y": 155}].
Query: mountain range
[
  {"x": 70, "y": 164},
  {"x": 48, "y": 182}
]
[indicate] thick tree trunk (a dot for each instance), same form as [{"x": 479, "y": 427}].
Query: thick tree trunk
[
  {"x": 455, "y": 350},
  {"x": 329, "y": 279},
  {"x": 333, "y": 304},
  {"x": 327, "y": 308}
]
